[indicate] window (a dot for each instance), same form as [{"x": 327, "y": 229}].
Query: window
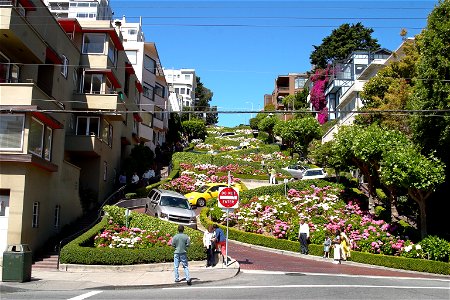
[
  {"x": 159, "y": 90},
  {"x": 299, "y": 82},
  {"x": 132, "y": 31},
  {"x": 177, "y": 90},
  {"x": 188, "y": 92},
  {"x": 158, "y": 113},
  {"x": 107, "y": 133},
  {"x": 182, "y": 91},
  {"x": 149, "y": 64},
  {"x": 56, "y": 221},
  {"x": 8, "y": 72},
  {"x": 82, "y": 15},
  {"x": 35, "y": 220},
  {"x": 94, "y": 43},
  {"x": 11, "y": 132},
  {"x": 64, "y": 66},
  {"x": 147, "y": 91},
  {"x": 40, "y": 139},
  {"x": 187, "y": 77},
  {"x": 112, "y": 52},
  {"x": 88, "y": 126},
  {"x": 96, "y": 83},
  {"x": 132, "y": 56}
]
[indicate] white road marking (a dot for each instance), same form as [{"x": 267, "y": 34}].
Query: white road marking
[
  {"x": 313, "y": 286},
  {"x": 84, "y": 296},
  {"x": 262, "y": 272}
]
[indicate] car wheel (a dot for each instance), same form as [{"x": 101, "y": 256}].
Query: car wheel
[{"x": 201, "y": 202}]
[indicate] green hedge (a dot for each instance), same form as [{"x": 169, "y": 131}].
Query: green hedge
[
  {"x": 419, "y": 265},
  {"x": 82, "y": 251}
]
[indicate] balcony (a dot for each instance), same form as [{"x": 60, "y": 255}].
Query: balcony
[
  {"x": 85, "y": 145},
  {"x": 18, "y": 37},
  {"x": 145, "y": 133},
  {"x": 26, "y": 94},
  {"x": 102, "y": 102}
]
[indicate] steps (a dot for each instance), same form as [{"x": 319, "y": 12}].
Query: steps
[{"x": 48, "y": 262}]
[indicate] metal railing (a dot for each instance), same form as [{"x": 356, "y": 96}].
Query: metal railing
[{"x": 64, "y": 241}]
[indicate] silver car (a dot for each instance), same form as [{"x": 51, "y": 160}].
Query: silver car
[
  {"x": 296, "y": 171},
  {"x": 170, "y": 206}
]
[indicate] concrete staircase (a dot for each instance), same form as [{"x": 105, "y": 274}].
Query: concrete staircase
[{"x": 47, "y": 262}]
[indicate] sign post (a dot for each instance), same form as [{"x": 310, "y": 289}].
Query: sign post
[{"x": 228, "y": 199}]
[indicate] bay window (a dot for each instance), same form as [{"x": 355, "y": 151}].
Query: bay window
[
  {"x": 88, "y": 126},
  {"x": 40, "y": 139},
  {"x": 94, "y": 43}
]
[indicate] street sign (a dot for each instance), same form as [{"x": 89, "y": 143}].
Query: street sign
[{"x": 228, "y": 197}]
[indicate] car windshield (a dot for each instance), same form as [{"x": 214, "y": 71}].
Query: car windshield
[
  {"x": 202, "y": 189},
  {"x": 174, "y": 202}
]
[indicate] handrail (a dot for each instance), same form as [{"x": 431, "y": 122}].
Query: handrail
[{"x": 78, "y": 233}]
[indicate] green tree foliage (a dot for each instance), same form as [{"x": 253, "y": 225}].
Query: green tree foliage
[
  {"x": 175, "y": 129},
  {"x": 203, "y": 97},
  {"x": 194, "y": 129},
  {"x": 140, "y": 159},
  {"x": 298, "y": 133},
  {"x": 267, "y": 124},
  {"x": 432, "y": 86},
  {"x": 341, "y": 43},
  {"x": 407, "y": 168},
  {"x": 391, "y": 89},
  {"x": 254, "y": 122}
]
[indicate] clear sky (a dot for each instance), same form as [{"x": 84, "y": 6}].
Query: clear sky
[{"x": 238, "y": 48}]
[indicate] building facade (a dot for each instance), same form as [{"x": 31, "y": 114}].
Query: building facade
[
  {"x": 69, "y": 109},
  {"x": 80, "y": 9},
  {"x": 183, "y": 83}
]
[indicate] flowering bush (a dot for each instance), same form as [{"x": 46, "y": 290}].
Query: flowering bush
[{"x": 115, "y": 236}]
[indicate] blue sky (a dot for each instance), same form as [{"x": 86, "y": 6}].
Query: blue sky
[{"x": 238, "y": 48}]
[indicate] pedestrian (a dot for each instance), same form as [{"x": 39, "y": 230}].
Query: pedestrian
[
  {"x": 122, "y": 179},
  {"x": 208, "y": 243},
  {"x": 345, "y": 246},
  {"x": 337, "y": 250},
  {"x": 148, "y": 176},
  {"x": 303, "y": 236},
  {"x": 273, "y": 176},
  {"x": 220, "y": 241},
  {"x": 135, "y": 180},
  {"x": 326, "y": 247},
  {"x": 181, "y": 242}
]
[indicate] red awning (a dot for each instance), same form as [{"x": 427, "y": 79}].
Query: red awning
[
  {"x": 109, "y": 73},
  {"x": 70, "y": 25},
  {"x": 51, "y": 55},
  {"x": 137, "y": 117},
  {"x": 27, "y": 4},
  {"x": 139, "y": 86},
  {"x": 47, "y": 120},
  {"x": 129, "y": 69}
]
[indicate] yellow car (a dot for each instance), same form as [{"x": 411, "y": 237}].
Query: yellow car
[{"x": 209, "y": 191}]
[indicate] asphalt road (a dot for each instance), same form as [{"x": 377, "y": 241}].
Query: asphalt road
[{"x": 269, "y": 285}]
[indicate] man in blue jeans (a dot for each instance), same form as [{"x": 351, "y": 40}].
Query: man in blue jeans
[{"x": 180, "y": 242}]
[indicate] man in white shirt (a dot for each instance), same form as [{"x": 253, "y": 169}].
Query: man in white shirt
[
  {"x": 147, "y": 177},
  {"x": 303, "y": 236}
]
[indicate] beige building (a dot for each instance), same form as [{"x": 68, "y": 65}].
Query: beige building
[{"x": 69, "y": 115}]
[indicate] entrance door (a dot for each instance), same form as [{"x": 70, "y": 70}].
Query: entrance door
[{"x": 4, "y": 213}]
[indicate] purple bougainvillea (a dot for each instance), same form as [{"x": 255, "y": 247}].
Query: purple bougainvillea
[{"x": 318, "y": 100}]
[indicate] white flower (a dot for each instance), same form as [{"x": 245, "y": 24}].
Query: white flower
[
  {"x": 408, "y": 248},
  {"x": 418, "y": 247}
]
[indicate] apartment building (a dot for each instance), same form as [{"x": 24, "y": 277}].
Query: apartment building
[
  {"x": 343, "y": 90},
  {"x": 183, "y": 83},
  {"x": 285, "y": 85},
  {"x": 69, "y": 109},
  {"x": 80, "y": 9},
  {"x": 154, "y": 104}
]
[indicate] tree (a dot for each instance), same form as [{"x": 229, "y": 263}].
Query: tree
[
  {"x": 267, "y": 124},
  {"x": 407, "y": 168},
  {"x": 298, "y": 133},
  {"x": 140, "y": 159},
  {"x": 203, "y": 96},
  {"x": 194, "y": 129},
  {"x": 432, "y": 86},
  {"x": 174, "y": 133},
  {"x": 341, "y": 43}
]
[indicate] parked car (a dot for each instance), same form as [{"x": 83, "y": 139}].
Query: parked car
[
  {"x": 209, "y": 191},
  {"x": 228, "y": 134},
  {"x": 170, "y": 206},
  {"x": 296, "y": 171},
  {"x": 315, "y": 173}
]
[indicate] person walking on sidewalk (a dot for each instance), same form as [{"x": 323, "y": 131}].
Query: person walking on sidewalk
[
  {"x": 208, "y": 243},
  {"x": 181, "y": 242},
  {"x": 303, "y": 236},
  {"x": 273, "y": 176}
]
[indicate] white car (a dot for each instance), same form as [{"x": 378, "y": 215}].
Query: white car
[
  {"x": 296, "y": 171},
  {"x": 316, "y": 173}
]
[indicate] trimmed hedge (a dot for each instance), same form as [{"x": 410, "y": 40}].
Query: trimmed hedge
[
  {"x": 396, "y": 262},
  {"x": 82, "y": 251}
]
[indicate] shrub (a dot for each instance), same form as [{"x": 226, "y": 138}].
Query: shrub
[{"x": 436, "y": 248}]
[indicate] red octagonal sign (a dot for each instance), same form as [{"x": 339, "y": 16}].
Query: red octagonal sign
[{"x": 228, "y": 198}]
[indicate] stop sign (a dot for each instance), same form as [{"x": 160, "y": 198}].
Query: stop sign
[{"x": 228, "y": 198}]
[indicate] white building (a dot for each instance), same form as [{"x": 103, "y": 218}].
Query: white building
[
  {"x": 183, "y": 83},
  {"x": 80, "y": 9},
  {"x": 144, "y": 59}
]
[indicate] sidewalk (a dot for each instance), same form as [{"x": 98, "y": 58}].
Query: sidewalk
[{"x": 78, "y": 277}]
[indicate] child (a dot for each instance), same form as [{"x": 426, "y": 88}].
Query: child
[
  {"x": 337, "y": 250},
  {"x": 326, "y": 247}
]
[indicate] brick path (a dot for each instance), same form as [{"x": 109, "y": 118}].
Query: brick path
[{"x": 255, "y": 259}]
